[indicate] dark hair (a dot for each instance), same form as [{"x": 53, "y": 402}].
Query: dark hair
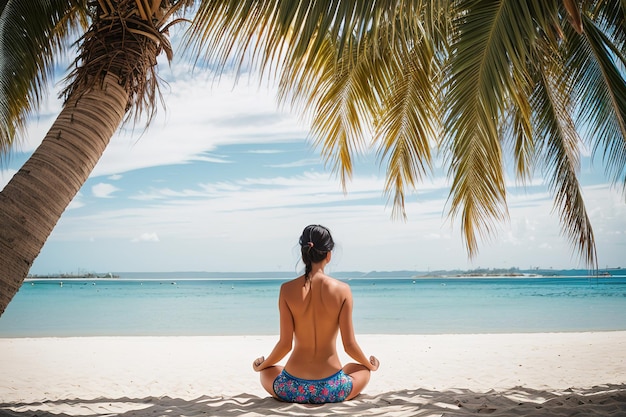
[{"x": 315, "y": 243}]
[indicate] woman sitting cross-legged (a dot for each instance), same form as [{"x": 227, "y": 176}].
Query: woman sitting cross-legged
[{"x": 313, "y": 309}]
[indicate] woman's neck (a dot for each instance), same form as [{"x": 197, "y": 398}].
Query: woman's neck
[{"x": 317, "y": 268}]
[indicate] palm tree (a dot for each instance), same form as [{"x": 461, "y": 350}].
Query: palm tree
[
  {"x": 114, "y": 78},
  {"x": 469, "y": 77},
  {"x": 472, "y": 78}
]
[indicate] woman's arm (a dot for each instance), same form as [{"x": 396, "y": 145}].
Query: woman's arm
[
  {"x": 350, "y": 344},
  {"x": 285, "y": 340}
]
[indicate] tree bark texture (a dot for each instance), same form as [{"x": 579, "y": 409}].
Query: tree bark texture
[{"x": 38, "y": 194}]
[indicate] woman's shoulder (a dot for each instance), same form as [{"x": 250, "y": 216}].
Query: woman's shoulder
[
  {"x": 336, "y": 284},
  {"x": 293, "y": 283},
  {"x": 325, "y": 280}
]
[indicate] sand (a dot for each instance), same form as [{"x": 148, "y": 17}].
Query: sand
[{"x": 546, "y": 374}]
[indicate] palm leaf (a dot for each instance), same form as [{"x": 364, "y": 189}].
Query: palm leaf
[
  {"x": 610, "y": 15},
  {"x": 409, "y": 124},
  {"x": 489, "y": 40},
  {"x": 603, "y": 97},
  {"x": 376, "y": 64},
  {"x": 519, "y": 130},
  {"x": 518, "y": 135},
  {"x": 33, "y": 34},
  {"x": 284, "y": 29},
  {"x": 359, "y": 89},
  {"x": 344, "y": 102},
  {"x": 558, "y": 143}
]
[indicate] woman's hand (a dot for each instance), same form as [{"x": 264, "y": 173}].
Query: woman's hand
[
  {"x": 256, "y": 365},
  {"x": 374, "y": 363}
]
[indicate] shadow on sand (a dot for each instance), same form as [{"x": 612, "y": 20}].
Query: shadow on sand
[{"x": 605, "y": 401}]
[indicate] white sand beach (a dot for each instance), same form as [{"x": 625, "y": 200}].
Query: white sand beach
[{"x": 546, "y": 374}]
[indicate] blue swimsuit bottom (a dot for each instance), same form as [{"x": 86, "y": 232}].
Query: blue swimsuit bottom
[{"x": 333, "y": 389}]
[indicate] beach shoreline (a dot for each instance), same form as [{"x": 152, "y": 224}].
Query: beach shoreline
[{"x": 74, "y": 374}]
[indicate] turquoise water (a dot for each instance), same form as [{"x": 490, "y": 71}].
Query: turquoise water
[{"x": 249, "y": 306}]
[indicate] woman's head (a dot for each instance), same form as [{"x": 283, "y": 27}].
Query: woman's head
[{"x": 315, "y": 243}]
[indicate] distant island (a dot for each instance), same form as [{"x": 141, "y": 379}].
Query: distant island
[
  {"x": 87, "y": 275},
  {"x": 410, "y": 274},
  {"x": 500, "y": 272}
]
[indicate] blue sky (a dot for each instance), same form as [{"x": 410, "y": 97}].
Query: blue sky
[{"x": 224, "y": 180}]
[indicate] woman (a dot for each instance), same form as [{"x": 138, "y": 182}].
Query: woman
[{"x": 313, "y": 308}]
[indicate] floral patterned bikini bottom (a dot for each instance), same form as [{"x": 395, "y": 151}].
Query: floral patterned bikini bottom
[{"x": 333, "y": 389}]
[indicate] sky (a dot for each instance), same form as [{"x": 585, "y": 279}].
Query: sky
[{"x": 225, "y": 180}]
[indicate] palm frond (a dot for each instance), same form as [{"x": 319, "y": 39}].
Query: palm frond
[
  {"x": 573, "y": 11},
  {"x": 342, "y": 98},
  {"x": 602, "y": 94},
  {"x": 610, "y": 15},
  {"x": 33, "y": 34},
  {"x": 518, "y": 134},
  {"x": 350, "y": 92},
  {"x": 409, "y": 122},
  {"x": 223, "y": 29},
  {"x": 519, "y": 129},
  {"x": 558, "y": 146},
  {"x": 365, "y": 64},
  {"x": 491, "y": 37}
]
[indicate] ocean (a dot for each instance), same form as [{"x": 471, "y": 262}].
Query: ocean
[{"x": 230, "y": 306}]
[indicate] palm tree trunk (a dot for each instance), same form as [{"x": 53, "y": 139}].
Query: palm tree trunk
[{"x": 33, "y": 201}]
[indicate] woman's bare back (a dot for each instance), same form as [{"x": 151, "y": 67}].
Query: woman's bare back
[
  {"x": 315, "y": 306},
  {"x": 313, "y": 310}
]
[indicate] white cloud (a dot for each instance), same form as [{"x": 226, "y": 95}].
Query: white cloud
[
  {"x": 295, "y": 164},
  {"x": 200, "y": 116},
  {"x": 115, "y": 177},
  {"x": 265, "y": 151},
  {"x": 229, "y": 218},
  {"x": 146, "y": 237},
  {"x": 76, "y": 203},
  {"x": 103, "y": 190}
]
